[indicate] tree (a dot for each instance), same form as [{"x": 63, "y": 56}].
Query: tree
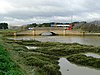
[{"x": 3, "y": 26}]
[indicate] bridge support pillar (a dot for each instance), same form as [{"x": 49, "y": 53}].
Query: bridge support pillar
[
  {"x": 15, "y": 36},
  {"x": 33, "y": 32},
  {"x": 64, "y": 32}
]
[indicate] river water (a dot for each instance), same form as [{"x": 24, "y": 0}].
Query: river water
[
  {"x": 66, "y": 67},
  {"x": 87, "y": 40}
]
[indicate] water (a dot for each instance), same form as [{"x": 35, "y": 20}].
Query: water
[
  {"x": 88, "y": 40},
  {"x": 31, "y": 47},
  {"x": 68, "y": 68},
  {"x": 93, "y": 55}
]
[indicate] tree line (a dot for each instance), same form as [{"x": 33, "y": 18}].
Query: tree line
[{"x": 88, "y": 27}]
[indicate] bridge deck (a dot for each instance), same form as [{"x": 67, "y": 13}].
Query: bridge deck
[{"x": 48, "y": 28}]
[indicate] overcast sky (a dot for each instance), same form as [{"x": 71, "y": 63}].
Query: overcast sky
[{"x": 20, "y": 12}]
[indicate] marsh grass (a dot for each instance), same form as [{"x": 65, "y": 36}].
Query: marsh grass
[
  {"x": 44, "y": 60},
  {"x": 85, "y": 60}
]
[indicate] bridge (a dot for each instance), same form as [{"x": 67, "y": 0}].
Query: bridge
[{"x": 55, "y": 30}]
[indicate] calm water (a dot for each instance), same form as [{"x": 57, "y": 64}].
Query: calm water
[
  {"x": 88, "y": 40},
  {"x": 68, "y": 68}
]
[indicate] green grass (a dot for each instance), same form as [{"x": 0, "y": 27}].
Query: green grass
[{"x": 7, "y": 65}]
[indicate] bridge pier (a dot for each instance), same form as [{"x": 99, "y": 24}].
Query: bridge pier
[
  {"x": 64, "y": 32},
  {"x": 33, "y": 32}
]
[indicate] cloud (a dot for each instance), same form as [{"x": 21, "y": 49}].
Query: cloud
[
  {"x": 39, "y": 11},
  {"x": 5, "y": 7}
]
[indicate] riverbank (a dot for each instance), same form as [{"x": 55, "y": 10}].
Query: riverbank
[{"x": 7, "y": 65}]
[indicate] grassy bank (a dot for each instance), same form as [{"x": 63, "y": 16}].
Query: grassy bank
[{"x": 7, "y": 65}]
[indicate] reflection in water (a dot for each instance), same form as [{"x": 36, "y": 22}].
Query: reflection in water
[
  {"x": 88, "y": 40},
  {"x": 68, "y": 68},
  {"x": 31, "y": 47}
]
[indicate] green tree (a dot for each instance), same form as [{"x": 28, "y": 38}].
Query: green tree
[{"x": 3, "y": 26}]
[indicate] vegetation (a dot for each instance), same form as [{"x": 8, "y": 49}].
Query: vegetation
[
  {"x": 88, "y": 27},
  {"x": 58, "y": 49},
  {"x": 3, "y": 26},
  {"x": 7, "y": 65},
  {"x": 43, "y": 64},
  {"x": 84, "y": 60},
  {"x": 44, "y": 59}
]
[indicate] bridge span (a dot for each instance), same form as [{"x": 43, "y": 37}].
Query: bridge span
[{"x": 56, "y": 30}]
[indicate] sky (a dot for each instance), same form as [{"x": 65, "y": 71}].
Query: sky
[{"x": 21, "y": 12}]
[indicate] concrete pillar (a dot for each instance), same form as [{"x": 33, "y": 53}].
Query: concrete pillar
[
  {"x": 15, "y": 36},
  {"x": 14, "y": 33},
  {"x": 33, "y": 32},
  {"x": 64, "y": 32}
]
